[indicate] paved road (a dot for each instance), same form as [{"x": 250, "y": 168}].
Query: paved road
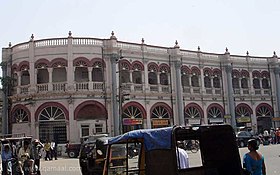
[{"x": 66, "y": 166}]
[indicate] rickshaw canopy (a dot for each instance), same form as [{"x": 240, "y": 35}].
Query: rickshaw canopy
[{"x": 153, "y": 138}]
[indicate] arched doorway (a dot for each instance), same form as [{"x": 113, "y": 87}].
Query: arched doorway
[
  {"x": 132, "y": 116},
  {"x": 91, "y": 118},
  {"x": 52, "y": 123},
  {"x": 161, "y": 114},
  {"x": 215, "y": 114},
  {"x": 243, "y": 114},
  {"x": 193, "y": 114},
  {"x": 264, "y": 114}
]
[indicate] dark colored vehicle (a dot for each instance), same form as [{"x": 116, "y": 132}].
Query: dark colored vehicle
[
  {"x": 158, "y": 147},
  {"x": 242, "y": 138},
  {"x": 92, "y": 156},
  {"x": 72, "y": 149}
]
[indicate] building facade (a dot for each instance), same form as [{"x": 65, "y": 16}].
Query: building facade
[{"x": 65, "y": 88}]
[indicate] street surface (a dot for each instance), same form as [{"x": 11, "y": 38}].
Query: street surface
[{"x": 67, "y": 166}]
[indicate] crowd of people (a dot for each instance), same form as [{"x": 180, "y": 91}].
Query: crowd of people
[{"x": 27, "y": 153}]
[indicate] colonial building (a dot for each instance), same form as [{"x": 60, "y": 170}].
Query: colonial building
[{"x": 65, "y": 88}]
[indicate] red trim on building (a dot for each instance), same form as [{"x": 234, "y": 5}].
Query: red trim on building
[
  {"x": 138, "y": 105},
  {"x": 53, "y": 104}
]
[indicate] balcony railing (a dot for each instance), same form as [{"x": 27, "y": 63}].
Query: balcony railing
[
  {"x": 59, "y": 87},
  {"x": 153, "y": 88},
  {"x": 24, "y": 89},
  {"x": 82, "y": 86},
  {"x": 138, "y": 87},
  {"x": 42, "y": 88},
  {"x": 98, "y": 86}
]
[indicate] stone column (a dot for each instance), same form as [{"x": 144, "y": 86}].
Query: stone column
[
  {"x": 146, "y": 88},
  {"x": 179, "y": 99},
  {"x": 230, "y": 95},
  {"x": 31, "y": 70},
  {"x": 70, "y": 68},
  {"x": 90, "y": 78},
  {"x": 50, "y": 84},
  {"x": 277, "y": 82}
]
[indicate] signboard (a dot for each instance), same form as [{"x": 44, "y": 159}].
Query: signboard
[
  {"x": 132, "y": 121},
  {"x": 160, "y": 122},
  {"x": 216, "y": 120},
  {"x": 227, "y": 116},
  {"x": 194, "y": 121},
  {"x": 243, "y": 119},
  {"x": 276, "y": 119}
]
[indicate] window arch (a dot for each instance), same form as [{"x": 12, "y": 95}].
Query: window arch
[
  {"x": 193, "y": 111},
  {"x": 216, "y": 82},
  {"x": 97, "y": 72},
  {"x": 207, "y": 82},
  {"x": 265, "y": 83},
  {"x": 235, "y": 83},
  {"x": 137, "y": 73},
  {"x": 20, "y": 115},
  {"x": 195, "y": 81},
  {"x": 160, "y": 111},
  {"x": 256, "y": 83},
  {"x": 244, "y": 83}
]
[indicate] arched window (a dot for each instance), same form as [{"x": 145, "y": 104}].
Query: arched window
[
  {"x": 235, "y": 83},
  {"x": 185, "y": 80},
  {"x": 192, "y": 112},
  {"x": 81, "y": 74},
  {"x": 194, "y": 80},
  {"x": 214, "y": 112},
  {"x": 152, "y": 78},
  {"x": 264, "y": 111},
  {"x": 124, "y": 73},
  {"x": 132, "y": 112},
  {"x": 20, "y": 116},
  {"x": 163, "y": 78},
  {"x": 160, "y": 112},
  {"x": 59, "y": 74},
  {"x": 25, "y": 77},
  {"x": 207, "y": 82},
  {"x": 256, "y": 83},
  {"x": 97, "y": 72},
  {"x": 265, "y": 83},
  {"x": 244, "y": 83},
  {"x": 137, "y": 77},
  {"x": 216, "y": 82}
]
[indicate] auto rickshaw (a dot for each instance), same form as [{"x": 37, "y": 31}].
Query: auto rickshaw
[
  {"x": 14, "y": 144},
  {"x": 157, "y": 151}
]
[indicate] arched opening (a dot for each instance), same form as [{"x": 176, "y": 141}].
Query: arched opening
[
  {"x": 161, "y": 115},
  {"x": 193, "y": 114},
  {"x": 264, "y": 114},
  {"x": 52, "y": 124}
]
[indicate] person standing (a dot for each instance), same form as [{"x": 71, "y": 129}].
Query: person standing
[
  {"x": 182, "y": 157},
  {"x": 6, "y": 155},
  {"x": 53, "y": 150},
  {"x": 253, "y": 161},
  {"x": 36, "y": 148},
  {"x": 47, "y": 148}
]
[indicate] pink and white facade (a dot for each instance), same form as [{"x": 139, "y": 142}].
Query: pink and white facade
[{"x": 65, "y": 88}]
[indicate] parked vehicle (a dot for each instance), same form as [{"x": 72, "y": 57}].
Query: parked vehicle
[
  {"x": 72, "y": 149},
  {"x": 242, "y": 138},
  {"x": 92, "y": 154},
  {"x": 158, "y": 147}
]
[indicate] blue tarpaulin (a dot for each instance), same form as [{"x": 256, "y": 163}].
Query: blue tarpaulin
[{"x": 153, "y": 138}]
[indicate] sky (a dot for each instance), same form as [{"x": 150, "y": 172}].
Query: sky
[{"x": 239, "y": 25}]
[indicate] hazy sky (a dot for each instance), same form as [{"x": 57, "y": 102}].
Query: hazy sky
[{"x": 213, "y": 25}]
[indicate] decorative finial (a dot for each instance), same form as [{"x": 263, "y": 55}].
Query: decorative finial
[
  {"x": 247, "y": 53},
  {"x": 198, "y": 48},
  {"x": 227, "y": 52},
  {"x": 32, "y": 37},
  {"x": 274, "y": 54},
  {"x": 10, "y": 44},
  {"x": 176, "y": 44},
  {"x": 113, "y": 35},
  {"x": 143, "y": 41},
  {"x": 69, "y": 34}
]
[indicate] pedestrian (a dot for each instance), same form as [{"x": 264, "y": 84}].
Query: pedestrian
[
  {"x": 47, "y": 148},
  {"x": 36, "y": 152},
  {"x": 273, "y": 136},
  {"x": 53, "y": 150},
  {"x": 277, "y": 135},
  {"x": 182, "y": 156},
  {"x": 24, "y": 154},
  {"x": 6, "y": 155},
  {"x": 253, "y": 161}
]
